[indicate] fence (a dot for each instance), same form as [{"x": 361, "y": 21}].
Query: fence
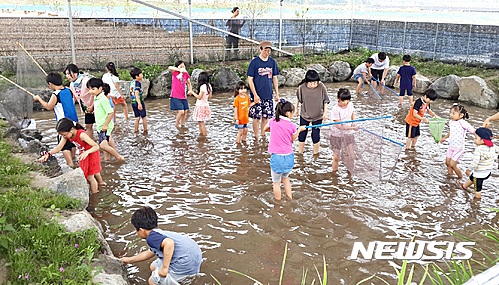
[{"x": 162, "y": 41}]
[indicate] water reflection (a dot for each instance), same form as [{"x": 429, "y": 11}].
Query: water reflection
[{"x": 220, "y": 193}]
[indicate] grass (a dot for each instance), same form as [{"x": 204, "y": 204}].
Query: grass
[{"x": 36, "y": 248}]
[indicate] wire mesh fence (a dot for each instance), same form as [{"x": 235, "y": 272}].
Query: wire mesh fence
[{"x": 162, "y": 41}]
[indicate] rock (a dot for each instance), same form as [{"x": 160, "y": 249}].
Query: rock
[
  {"x": 72, "y": 184},
  {"x": 145, "y": 87},
  {"x": 45, "y": 94},
  {"x": 125, "y": 88},
  {"x": 340, "y": 71},
  {"x": 474, "y": 90},
  {"x": 294, "y": 76},
  {"x": 447, "y": 86},
  {"x": 422, "y": 83},
  {"x": 321, "y": 70},
  {"x": 109, "y": 279},
  {"x": 15, "y": 105},
  {"x": 194, "y": 78},
  {"x": 281, "y": 80},
  {"x": 161, "y": 85},
  {"x": 31, "y": 134},
  {"x": 13, "y": 133},
  {"x": 224, "y": 79},
  {"x": 34, "y": 146},
  {"x": 391, "y": 75},
  {"x": 113, "y": 270},
  {"x": 23, "y": 143}
]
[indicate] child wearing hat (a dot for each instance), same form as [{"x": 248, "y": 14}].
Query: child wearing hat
[{"x": 483, "y": 161}]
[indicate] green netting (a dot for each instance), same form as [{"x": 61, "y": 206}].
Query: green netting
[{"x": 437, "y": 127}]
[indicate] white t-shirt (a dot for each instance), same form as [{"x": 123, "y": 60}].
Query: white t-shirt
[
  {"x": 380, "y": 65},
  {"x": 361, "y": 68},
  {"x": 341, "y": 114},
  {"x": 111, "y": 79},
  {"x": 458, "y": 131}
]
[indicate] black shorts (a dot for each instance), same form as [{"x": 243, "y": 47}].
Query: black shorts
[
  {"x": 89, "y": 119},
  {"x": 478, "y": 182},
  {"x": 67, "y": 146},
  {"x": 411, "y": 131},
  {"x": 377, "y": 73}
]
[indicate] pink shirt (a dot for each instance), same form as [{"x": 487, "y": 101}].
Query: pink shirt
[
  {"x": 81, "y": 91},
  {"x": 178, "y": 85},
  {"x": 281, "y": 136},
  {"x": 341, "y": 114}
]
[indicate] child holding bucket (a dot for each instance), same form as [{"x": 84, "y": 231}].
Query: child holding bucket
[
  {"x": 416, "y": 115},
  {"x": 282, "y": 134},
  {"x": 456, "y": 135}
]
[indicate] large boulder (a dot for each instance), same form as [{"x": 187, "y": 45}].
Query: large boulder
[
  {"x": 45, "y": 94},
  {"x": 447, "y": 86},
  {"x": 71, "y": 183},
  {"x": 340, "y": 71},
  {"x": 15, "y": 106},
  {"x": 474, "y": 90},
  {"x": 194, "y": 78},
  {"x": 161, "y": 85},
  {"x": 422, "y": 84},
  {"x": 294, "y": 76},
  {"x": 321, "y": 70},
  {"x": 125, "y": 88},
  {"x": 281, "y": 80},
  {"x": 391, "y": 75},
  {"x": 224, "y": 79}
]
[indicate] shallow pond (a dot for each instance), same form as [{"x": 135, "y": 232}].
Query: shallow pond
[{"x": 220, "y": 194}]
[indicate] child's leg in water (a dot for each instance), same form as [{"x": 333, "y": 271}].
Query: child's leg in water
[
  {"x": 98, "y": 177},
  {"x": 455, "y": 168},
  {"x": 287, "y": 187},
  {"x": 277, "y": 190},
  {"x": 94, "y": 187}
]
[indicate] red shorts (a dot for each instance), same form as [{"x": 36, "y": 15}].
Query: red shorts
[{"x": 118, "y": 100}]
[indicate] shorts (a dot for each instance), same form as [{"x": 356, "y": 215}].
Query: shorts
[
  {"x": 170, "y": 279},
  {"x": 179, "y": 104},
  {"x": 264, "y": 109},
  {"x": 282, "y": 163},
  {"x": 103, "y": 136},
  {"x": 403, "y": 91},
  {"x": 139, "y": 113},
  {"x": 454, "y": 153},
  {"x": 411, "y": 131},
  {"x": 377, "y": 73},
  {"x": 478, "y": 182},
  {"x": 89, "y": 119},
  {"x": 119, "y": 100},
  {"x": 241, "y": 127},
  {"x": 342, "y": 142},
  {"x": 67, "y": 146},
  {"x": 316, "y": 132},
  {"x": 357, "y": 76}
]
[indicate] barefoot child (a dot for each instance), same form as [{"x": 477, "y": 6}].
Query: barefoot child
[
  {"x": 178, "y": 255},
  {"x": 178, "y": 98},
  {"x": 89, "y": 157},
  {"x": 111, "y": 78},
  {"x": 202, "y": 110},
  {"x": 456, "y": 135},
  {"x": 282, "y": 134},
  {"x": 407, "y": 76},
  {"x": 363, "y": 73},
  {"x": 104, "y": 114},
  {"x": 483, "y": 161},
  {"x": 242, "y": 103},
  {"x": 416, "y": 115},
  {"x": 138, "y": 105}
]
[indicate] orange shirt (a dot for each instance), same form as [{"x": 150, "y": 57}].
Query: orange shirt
[
  {"x": 242, "y": 104},
  {"x": 419, "y": 106}
]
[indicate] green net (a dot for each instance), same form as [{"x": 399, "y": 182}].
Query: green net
[{"x": 436, "y": 128}]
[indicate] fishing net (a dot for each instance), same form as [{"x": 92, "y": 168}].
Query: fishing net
[
  {"x": 16, "y": 106},
  {"x": 436, "y": 128},
  {"x": 363, "y": 150}
]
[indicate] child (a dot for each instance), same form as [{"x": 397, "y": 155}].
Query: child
[
  {"x": 282, "y": 134},
  {"x": 483, "y": 161},
  {"x": 178, "y": 98},
  {"x": 138, "y": 105},
  {"x": 361, "y": 72},
  {"x": 111, "y": 78},
  {"x": 242, "y": 103},
  {"x": 416, "y": 115},
  {"x": 341, "y": 138},
  {"x": 407, "y": 77},
  {"x": 456, "y": 135},
  {"x": 89, "y": 158},
  {"x": 202, "y": 111},
  {"x": 62, "y": 102},
  {"x": 104, "y": 114},
  {"x": 178, "y": 255},
  {"x": 312, "y": 94}
]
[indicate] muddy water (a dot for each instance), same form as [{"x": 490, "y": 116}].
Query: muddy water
[{"x": 220, "y": 194}]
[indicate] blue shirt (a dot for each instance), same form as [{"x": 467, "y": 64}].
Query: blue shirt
[
  {"x": 406, "y": 72},
  {"x": 65, "y": 106},
  {"x": 135, "y": 86},
  {"x": 186, "y": 258},
  {"x": 262, "y": 73}
]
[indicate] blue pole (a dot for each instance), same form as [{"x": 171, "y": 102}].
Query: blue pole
[
  {"x": 386, "y": 86},
  {"x": 375, "y": 92},
  {"x": 383, "y": 137},
  {"x": 346, "y": 122}
]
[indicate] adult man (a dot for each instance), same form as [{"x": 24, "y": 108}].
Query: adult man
[
  {"x": 234, "y": 25},
  {"x": 380, "y": 67},
  {"x": 82, "y": 93},
  {"x": 262, "y": 76}
]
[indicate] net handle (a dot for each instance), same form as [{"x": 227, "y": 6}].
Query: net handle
[
  {"x": 30, "y": 56},
  {"x": 18, "y": 86}
]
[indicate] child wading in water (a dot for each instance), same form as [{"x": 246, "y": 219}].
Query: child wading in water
[
  {"x": 483, "y": 161},
  {"x": 456, "y": 135},
  {"x": 89, "y": 156},
  {"x": 282, "y": 134},
  {"x": 242, "y": 103},
  {"x": 178, "y": 99},
  {"x": 202, "y": 110}
]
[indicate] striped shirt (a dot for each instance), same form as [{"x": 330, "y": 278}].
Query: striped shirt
[{"x": 483, "y": 160}]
